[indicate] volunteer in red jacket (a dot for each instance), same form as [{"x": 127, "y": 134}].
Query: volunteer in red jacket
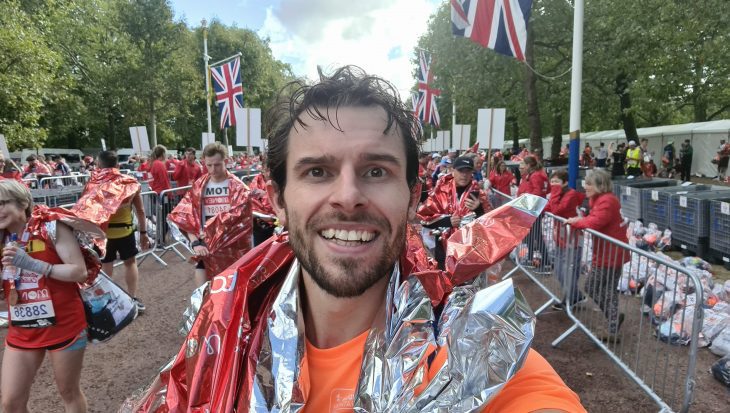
[
  {"x": 564, "y": 203},
  {"x": 42, "y": 297},
  {"x": 188, "y": 170},
  {"x": 534, "y": 180},
  {"x": 608, "y": 258},
  {"x": 500, "y": 178}
]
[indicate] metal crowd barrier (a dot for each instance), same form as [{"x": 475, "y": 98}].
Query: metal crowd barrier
[
  {"x": 577, "y": 267},
  {"x": 56, "y": 196},
  {"x": 166, "y": 201},
  {"x": 496, "y": 198},
  {"x": 63, "y": 181}
]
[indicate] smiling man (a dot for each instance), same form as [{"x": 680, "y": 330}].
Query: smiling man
[{"x": 339, "y": 314}]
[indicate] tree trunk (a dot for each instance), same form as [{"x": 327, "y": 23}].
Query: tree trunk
[
  {"x": 557, "y": 135},
  {"x": 627, "y": 118},
  {"x": 698, "y": 99},
  {"x": 533, "y": 111},
  {"x": 515, "y": 131}
]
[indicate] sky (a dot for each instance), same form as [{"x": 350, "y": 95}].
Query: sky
[{"x": 377, "y": 35}]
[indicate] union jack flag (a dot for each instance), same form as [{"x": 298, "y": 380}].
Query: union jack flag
[
  {"x": 496, "y": 24},
  {"x": 228, "y": 90},
  {"x": 425, "y": 106}
]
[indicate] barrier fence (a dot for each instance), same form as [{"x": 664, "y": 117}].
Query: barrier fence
[{"x": 652, "y": 338}]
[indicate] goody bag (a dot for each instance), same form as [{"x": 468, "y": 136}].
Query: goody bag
[{"x": 108, "y": 308}]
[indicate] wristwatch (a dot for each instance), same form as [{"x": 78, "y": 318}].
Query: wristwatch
[{"x": 197, "y": 243}]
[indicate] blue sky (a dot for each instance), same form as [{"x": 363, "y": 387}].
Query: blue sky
[{"x": 378, "y": 35}]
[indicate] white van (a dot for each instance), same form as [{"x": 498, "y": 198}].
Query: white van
[{"x": 72, "y": 156}]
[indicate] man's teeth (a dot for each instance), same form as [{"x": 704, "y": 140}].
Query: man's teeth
[{"x": 345, "y": 235}]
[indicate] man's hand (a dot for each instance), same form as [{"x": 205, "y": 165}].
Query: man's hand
[
  {"x": 201, "y": 251},
  {"x": 573, "y": 220},
  {"x": 144, "y": 241},
  {"x": 471, "y": 202},
  {"x": 455, "y": 221}
]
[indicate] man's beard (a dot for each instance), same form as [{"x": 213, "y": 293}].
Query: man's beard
[{"x": 360, "y": 278}]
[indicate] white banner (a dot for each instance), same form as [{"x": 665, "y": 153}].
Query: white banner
[
  {"x": 230, "y": 150},
  {"x": 103, "y": 144},
  {"x": 248, "y": 127},
  {"x": 490, "y": 128},
  {"x": 4, "y": 148},
  {"x": 461, "y": 136},
  {"x": 207, "y": 138},
  {"x": 447, "y": 140},
  {"x": 439, "y": 144},
  {"x": 140, "y": 142}
]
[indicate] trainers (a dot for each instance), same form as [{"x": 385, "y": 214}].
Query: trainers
[{"x": 140, "y": 307}]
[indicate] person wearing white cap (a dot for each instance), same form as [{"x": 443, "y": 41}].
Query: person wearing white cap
[{"x": 633, "y": 160}]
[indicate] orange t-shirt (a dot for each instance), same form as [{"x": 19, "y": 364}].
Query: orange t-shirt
[{"x": 329, "y": 378}]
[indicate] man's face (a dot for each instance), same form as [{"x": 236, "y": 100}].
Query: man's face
[
  {"x": 346, "y": 201},
  {"x": 216, "y": 166},
  {"x": 190, "y": 156},
  {"x": 462, "y": 176}
]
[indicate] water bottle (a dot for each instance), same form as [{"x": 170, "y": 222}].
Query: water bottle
[{"x": 10, "y": 273}]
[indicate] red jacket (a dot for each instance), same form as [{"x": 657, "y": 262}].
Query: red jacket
[
  {"x": 605, "y": 217},
  {"x": 535, "y": 183},
  {"x": 187, "y": 173},
  {"x": 501, "y": 182},
  {"x": 564, "y": 201},
  {"x": 160, "y": 180}
]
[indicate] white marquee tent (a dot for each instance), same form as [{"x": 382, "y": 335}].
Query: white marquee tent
[{"x": 703, "y": 136}]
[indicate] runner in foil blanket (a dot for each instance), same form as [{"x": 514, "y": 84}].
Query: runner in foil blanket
[
  {"x": 264, "y": 217},
  {"x": 340, "y": 313},
  {"x": 43, "y": 265},
  {"x": 108, "y": 200},
  {"x": 214, "y": 217}
]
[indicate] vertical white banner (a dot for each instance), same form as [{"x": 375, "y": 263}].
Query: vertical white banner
[
  {"x": 447, "y": 140},
  {"x": 440, "y": 141},
  {"x": 490, "y": 128},
  {"x": 140, "y": 142},
  {"x": 103, "y": 144},
  {"x": 4, "y": 148},
  {"x": 248, "y": 127},
  {"x": 230, "y": 150},
  {"x": 460, "y": 137},
  {"x": 206, "y": 139}
]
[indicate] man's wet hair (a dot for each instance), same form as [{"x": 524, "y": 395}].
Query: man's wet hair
[
  {"x": 108, "y": 159},
  {"x": 348, "y": 86}
]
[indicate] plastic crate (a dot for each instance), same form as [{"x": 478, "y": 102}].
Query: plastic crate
[
  {"x": 720, "y": 228},
  {"x": 629, "y": 194},
  {"x": 655, "y": 203},
  {"x": 690, "y": 215}
]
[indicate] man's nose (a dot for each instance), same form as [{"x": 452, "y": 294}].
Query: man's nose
[{"x": 347, "y": 192}]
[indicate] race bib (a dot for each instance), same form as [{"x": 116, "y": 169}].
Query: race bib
[{"x": 34, "y": 308}]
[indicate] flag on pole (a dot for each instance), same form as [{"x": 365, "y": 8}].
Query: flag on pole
[
  {"x": 496, "y": 24},
  {"x": 228, "y": 90},
  {"x": 426, "y": 108}
]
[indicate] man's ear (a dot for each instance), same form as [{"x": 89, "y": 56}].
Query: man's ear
[
  {"x": 277, "y": 201},
  {"x": 413, "y": 201}
]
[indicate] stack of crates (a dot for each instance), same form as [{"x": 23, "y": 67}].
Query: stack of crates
[
  {"x": 720, "y": 230},
  {"x": 690, "y": 219},
  {"x": 655, "y": 203},
  {"x": 630, "y": 194}
]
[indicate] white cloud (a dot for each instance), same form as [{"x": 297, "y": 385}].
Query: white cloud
[{"x": 332, "y": 33}]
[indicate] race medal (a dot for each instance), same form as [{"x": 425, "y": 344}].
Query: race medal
[{"x": 33, "y": 307}]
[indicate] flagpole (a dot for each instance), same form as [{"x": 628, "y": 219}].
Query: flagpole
[
  {"x": 207, "y": 72},
  {"x": 575, "y": 93}
]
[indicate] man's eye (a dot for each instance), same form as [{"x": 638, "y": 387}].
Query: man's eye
[
  {"x": 376, "y": 173},
  {"x": 316, "y": 172}
]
